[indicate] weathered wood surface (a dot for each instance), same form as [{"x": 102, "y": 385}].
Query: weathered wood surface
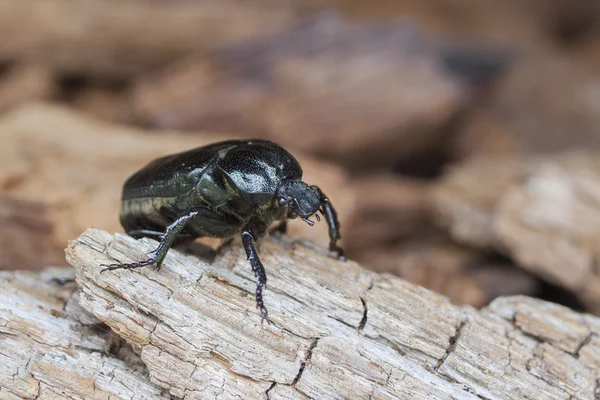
[
  {"x": 50, "y": 348},
  {"x": 338, "y": 332}
]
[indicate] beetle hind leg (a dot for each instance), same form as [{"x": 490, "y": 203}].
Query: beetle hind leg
[
  {"x": 167, "y": 239},
  {"x": 140, "y": 233},
  {"x": 182, "y": 238}
]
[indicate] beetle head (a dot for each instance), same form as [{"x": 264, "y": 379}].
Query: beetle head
[{"x": 300, "y": 200}]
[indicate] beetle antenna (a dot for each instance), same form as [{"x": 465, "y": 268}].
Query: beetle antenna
[{"x": 308, "y": 221}]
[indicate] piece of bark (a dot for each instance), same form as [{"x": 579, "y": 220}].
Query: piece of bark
[
  {"x": 543, "y": 212},
  {"x": 50, "y": 348},
  {"x": 124, "y": 38},
  {"x": 465, "y": 198},
  {"x": 550, "y": 224},
  {"x": 393, "y": 97},
  {"x": 338, "y": 330},
  {"x": 74, "y": 166}
]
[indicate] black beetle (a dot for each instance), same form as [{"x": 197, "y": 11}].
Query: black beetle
[{"x": 219, "y": 190}]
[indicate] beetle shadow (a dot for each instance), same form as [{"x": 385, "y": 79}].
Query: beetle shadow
[
  {"x": 200, "y": 250},
  {"x": 282, "y": 240}
]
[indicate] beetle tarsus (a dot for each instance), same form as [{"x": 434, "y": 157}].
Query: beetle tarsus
[
  {"x": 248, "y": 239},
  {"x": 112, "y": 267},
  {"x": 264, "y": 316},
  {"x": 338, "y": 250}
]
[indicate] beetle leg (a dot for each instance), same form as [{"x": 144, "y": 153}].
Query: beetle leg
[
  {"x": 332, "y": 222},
  {"x": 140, "y": 233},
  {"x": 166, "y": 241},
  {"x": 249, "y": 236}
]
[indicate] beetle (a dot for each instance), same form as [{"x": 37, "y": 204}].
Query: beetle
[{"x": 220, "y": 190}]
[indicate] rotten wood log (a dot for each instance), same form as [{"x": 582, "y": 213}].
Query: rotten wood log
[{"x": 338, "y": 331}]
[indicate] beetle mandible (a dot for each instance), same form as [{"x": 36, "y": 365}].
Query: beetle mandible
[{"x": 219, "y": 190}]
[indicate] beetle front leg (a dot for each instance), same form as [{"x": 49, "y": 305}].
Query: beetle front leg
[
  {"x": 249, "y": 236},
  {"x": 332, "y": 222},
  {"x": 166, "y": 241}
]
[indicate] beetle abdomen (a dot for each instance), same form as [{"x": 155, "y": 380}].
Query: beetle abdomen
[{"x": 144, "y": 213}]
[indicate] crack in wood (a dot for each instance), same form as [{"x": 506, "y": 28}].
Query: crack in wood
[
  {"x": 584, "y": 342},
  {"x": 306, "y": 360},
  {"x": 453, "y": 341},
  {"x": 363, "y": 321}
]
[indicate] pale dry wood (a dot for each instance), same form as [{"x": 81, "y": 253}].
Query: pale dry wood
[
  {"x": 50, "y": 348},
  {"x": 338, "y": 330}
]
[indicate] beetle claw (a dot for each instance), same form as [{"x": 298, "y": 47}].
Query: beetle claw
[
  {"x": 264, "y": 315},
  {"x": 338, "y": 251}
]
